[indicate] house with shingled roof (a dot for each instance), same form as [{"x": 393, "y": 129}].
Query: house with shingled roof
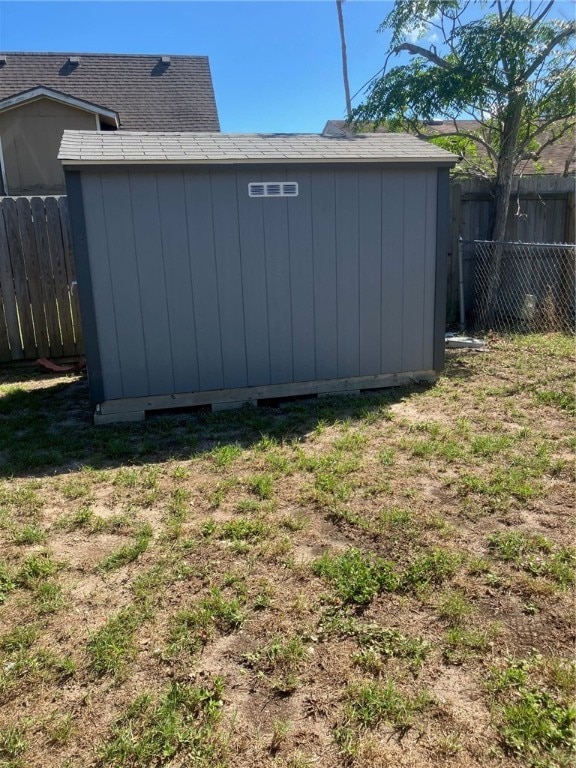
[{"x": 43, "y": 94}]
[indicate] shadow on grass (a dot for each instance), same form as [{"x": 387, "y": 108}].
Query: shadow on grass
[{"x": 46, "y": 425}]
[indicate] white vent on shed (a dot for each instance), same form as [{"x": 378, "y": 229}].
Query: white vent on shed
[{"x": 273, "y": 189}]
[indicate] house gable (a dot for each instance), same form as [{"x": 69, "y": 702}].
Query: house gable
[{"x": 30, "y": 134}]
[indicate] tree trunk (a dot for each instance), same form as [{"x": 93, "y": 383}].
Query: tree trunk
[
  {"x": 344, "y": 60},
  {"x": 502, "y": 191}
]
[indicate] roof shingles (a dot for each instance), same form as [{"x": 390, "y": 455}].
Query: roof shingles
[
  {"x": 147, "y": 94},
  {"x": 132, "y": 147}
]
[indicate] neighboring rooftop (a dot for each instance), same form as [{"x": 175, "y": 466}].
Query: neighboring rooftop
[
  {"x": 148, "y": 92},
  {"x": 558, "y": 158},
  {"x": 228, "y": 148}
]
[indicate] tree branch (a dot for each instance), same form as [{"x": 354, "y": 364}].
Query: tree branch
[
  {"x": 527, "y": 74},
  {"x": 417, "y": 50}
]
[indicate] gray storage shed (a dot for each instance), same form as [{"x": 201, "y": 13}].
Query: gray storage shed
[{"x": 217, "y": 268}]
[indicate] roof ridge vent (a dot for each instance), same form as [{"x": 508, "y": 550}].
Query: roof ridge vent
[
  {"x": 165, "y": 60},
  {"x": 74, "y": 60}
]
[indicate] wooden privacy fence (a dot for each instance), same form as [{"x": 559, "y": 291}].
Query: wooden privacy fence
[{"x": 39, "y": 314}]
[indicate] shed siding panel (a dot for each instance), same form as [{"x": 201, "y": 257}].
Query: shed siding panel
[
  {"x": 197, "y": 286},
  {"x": 370, "y": 270},
  {"x": 204, "y": 280},
  {"x": 125, "y": 283},
  {"x": 325, "y": 296},
  {"x": 232, "y": 330},
  {"x": 178, "y": 281},
  {"x": 155, "y": 321},
  {"x": 278, "y": 283},
  {"x": 302, "y": 278},
  {"x": 253, "y": 252},
  {"x": 413, "y": 285},
  {"x": 347, "y": 273},
  {"x": 392, "y": 270},
  {"x": 429, "y": 271},
  {"x": 102, "y": 285}
]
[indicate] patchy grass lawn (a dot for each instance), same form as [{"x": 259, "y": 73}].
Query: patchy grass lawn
[{"x": 383, "y": 580}]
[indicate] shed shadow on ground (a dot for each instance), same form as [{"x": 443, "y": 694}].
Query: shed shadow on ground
[{"x": 46, "y": 424}]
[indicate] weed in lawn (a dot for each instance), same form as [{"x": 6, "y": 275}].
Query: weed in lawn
[
  {"x": 223, "y": 455},
  {"x": 180, "y": 727},
  {"x": 28, "y": 534},
  {"x": 23, "y": 500},
  {"x": 76, "y": 487},
  {"x": 48, "y": 597},
  {"x": 35, "y": 567},
  {"x": 177, "y": 512},
  {"x": 387, "y": 457},
  {"x": 12, "y": 745},
  {"x": 454, "y": 607},
  {"x": 562, "y": 400},
  {"x": 243, "y": 530},
  {"x": 369, "y": 704},
  {"x": 113, "y": 645},
  {"x": 281, "y": 729},
  {"x": 7, "y": 581},
  {"x": 434, "y": 567},
  {"x": 261, "y": 485},
  {"x": 217, "y": 496},
  {"x": 295, "y": 522},
  {"x": 129, "y": 552},
  {"x": 127, "y": 477},
  {"x": 180, "y": 472},
  {"x": 389, "y": 643},
  {"x": 191, "y": 628},
  {"x": 279, "y": 663},
  {"x": 83, "y": 518},
  {"x": 465, "y": 644},
  {"x": 20, "y": 638},
  {"x": 536, "y": 555},
  {"x": 534, "y": 718},
  {"x": 502, "y": 484},
  {"x": 59, "y": 729},
  {"x": 356, "y": 576},
  {"x": 147, "y": 586},
  {"x": 489, "y": 445}
]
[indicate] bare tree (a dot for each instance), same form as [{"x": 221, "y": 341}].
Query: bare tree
[{"x": 344, "y": 59}]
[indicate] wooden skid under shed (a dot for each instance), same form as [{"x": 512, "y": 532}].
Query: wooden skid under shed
[{"x": 135, "y": 408}]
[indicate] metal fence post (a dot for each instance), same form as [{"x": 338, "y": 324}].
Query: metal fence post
[{"x": 461, "y": 284}]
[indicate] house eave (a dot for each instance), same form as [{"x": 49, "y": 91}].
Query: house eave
[{"x": 41, "y": 92}]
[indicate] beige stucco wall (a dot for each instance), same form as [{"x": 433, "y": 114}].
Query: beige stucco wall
[{"x": 31, "y": 135}]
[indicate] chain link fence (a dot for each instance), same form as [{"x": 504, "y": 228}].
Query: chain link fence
[{"x": 518, "y": 287}]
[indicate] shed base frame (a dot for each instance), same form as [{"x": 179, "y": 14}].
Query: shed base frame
[{"x": 134, "y": 408}]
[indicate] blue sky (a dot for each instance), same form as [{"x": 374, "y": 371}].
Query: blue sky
[{"x": 276, "y": 66}]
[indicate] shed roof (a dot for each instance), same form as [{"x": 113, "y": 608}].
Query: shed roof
[
  {"x": 130, "y": 148},
  {"x": 148, "y": 92},
  {"x": 557, "y": 158}
]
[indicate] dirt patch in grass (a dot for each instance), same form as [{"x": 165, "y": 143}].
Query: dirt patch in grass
[{"x": 378, "y": 580}]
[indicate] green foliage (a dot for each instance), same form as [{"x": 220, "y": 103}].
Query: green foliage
[
  {"x": 435, "y": 567},
  {"x": 113, "y": 646},
  {"x": 375, "y": 702},
  {"x": 510, "y": 69},
  {"x": 129, "y": 552},
  {"x": 243, "y": 530},
  {"x": 389, "y": 643},
  {"x": 191, "y": 628},
  {"x": 6, "y": 581},
  {"x": 279, "y": 661},
  {"x": 534, "y": 711},
  {"x": 536, "y": 555},
  {"x": 357, "y": 576},
  {"x": 178, "y": 728}
]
